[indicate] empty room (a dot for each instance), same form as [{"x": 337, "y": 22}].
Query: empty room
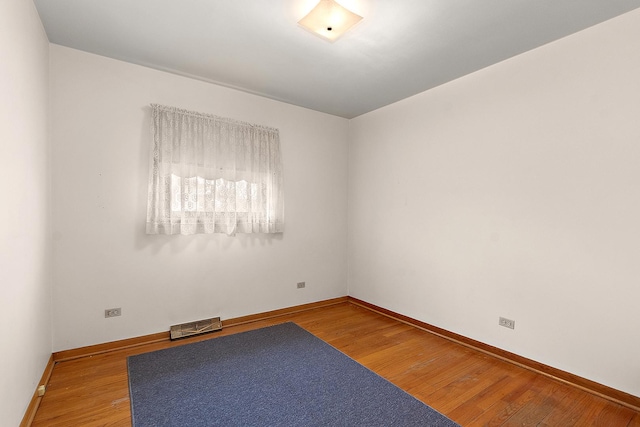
[{"x": 318, "y": 212}]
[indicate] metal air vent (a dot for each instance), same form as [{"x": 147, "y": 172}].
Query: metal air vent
[{"x": 198, "y": 327}]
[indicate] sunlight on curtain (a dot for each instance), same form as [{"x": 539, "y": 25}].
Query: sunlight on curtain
[{"x": 213, "y": 175}]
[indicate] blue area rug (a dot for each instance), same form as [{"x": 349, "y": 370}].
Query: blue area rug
[{"x": 276, "y": 376}]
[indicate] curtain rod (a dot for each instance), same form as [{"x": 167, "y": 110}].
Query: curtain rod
[{"x": 211, "y": 117}]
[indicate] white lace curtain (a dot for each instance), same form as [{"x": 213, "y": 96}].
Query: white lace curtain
[{"x": 213, "y": 175}]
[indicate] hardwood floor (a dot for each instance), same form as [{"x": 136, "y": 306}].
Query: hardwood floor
[{"x": 470, "y": 387}]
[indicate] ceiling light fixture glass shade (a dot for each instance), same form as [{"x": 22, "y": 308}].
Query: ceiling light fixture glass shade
[{"x": 329, "y": 20}]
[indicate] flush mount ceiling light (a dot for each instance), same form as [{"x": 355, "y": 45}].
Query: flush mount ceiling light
[{"x": 329, "y": 20}]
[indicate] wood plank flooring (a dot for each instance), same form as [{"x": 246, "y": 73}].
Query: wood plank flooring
[{"x": 469, "y": 387}]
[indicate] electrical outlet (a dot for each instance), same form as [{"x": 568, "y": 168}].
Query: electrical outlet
[
  {"x": 507, "y": 323},
  {"x": 301, "y": 285},
  {"x": 113, "y": 312}
]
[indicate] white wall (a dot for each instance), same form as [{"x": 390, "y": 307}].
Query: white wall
[
  {"x": 102, "y": 256},
  {"x": 515, "y": 192},
  {"x": 25, "y": 244}
]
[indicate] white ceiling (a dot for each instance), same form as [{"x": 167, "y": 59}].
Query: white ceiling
[{"x": 399, "y": 49}]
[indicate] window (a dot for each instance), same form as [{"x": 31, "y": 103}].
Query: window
[{"x": 213, "y": 175}]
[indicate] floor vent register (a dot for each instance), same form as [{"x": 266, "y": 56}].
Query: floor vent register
[{"x": 198, "y": 327}]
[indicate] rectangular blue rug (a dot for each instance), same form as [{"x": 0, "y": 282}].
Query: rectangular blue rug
[{"x": 276, "y": 376}]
